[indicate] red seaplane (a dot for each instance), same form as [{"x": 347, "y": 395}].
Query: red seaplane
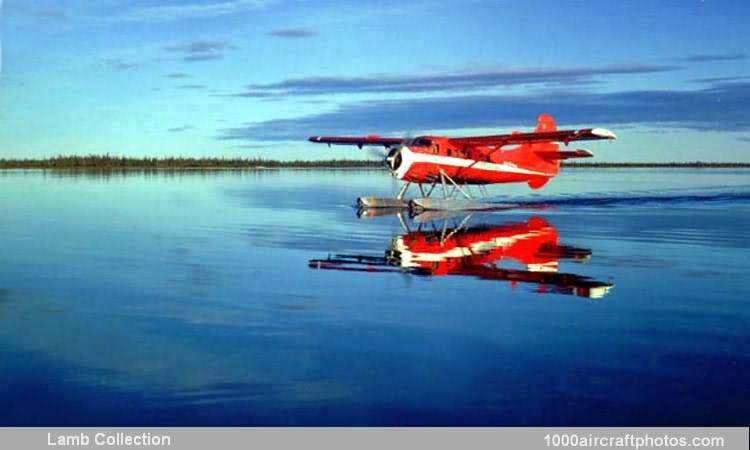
[
  {"x": 457, "y": 162},
  {"x": 518, "y": 252}
]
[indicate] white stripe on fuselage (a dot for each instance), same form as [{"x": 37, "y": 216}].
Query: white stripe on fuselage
[{"x": 409, "y": 158}]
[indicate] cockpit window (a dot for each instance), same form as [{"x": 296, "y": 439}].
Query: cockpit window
[{"x": 421, "y": 142}]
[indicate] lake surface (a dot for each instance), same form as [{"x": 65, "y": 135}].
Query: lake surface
[{"x": 610, "y": 297}]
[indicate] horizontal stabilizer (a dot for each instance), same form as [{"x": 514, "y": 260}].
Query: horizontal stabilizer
[{"x": 555, "y": 155}]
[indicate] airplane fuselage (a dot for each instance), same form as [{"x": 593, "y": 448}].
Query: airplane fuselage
[{"x": 422, "y": 160}]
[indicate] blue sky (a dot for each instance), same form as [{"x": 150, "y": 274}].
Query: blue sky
[{"x": 256, "y": 77}]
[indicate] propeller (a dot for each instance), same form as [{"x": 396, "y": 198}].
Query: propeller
[
  {"x": 390, "y": 155},
  {"x": 393, "y": 157},
  {"x": 393, "y": 160}
]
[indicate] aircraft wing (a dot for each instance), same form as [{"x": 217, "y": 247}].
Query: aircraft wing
[
  {"x": 372, "y": 140},
  {"x": 565, "y": 136}
]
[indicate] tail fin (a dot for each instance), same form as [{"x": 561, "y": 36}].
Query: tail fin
[{"x": 544, "y": 123}]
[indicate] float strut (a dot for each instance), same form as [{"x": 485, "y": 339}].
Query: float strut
[
  {"x": 403, "y": 190},
  {"x": 445, "y": 176}
]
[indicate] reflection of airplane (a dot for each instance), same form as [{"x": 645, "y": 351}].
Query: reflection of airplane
[
  {"x": 456, "y": 163},
  {"x": 479, "y": 251}
]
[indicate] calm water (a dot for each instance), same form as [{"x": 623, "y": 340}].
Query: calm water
[{"x": 189, "y": 299}]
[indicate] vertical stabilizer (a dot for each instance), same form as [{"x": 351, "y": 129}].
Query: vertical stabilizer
[{"x": 544, "y": 123}]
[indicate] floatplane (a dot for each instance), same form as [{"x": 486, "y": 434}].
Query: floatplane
[
  {"x": 456, "y": 163},
  {"x": 526, "y": 252}
]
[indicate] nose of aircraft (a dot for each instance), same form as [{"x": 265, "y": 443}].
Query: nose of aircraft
[{"x": 393, "y": 159}]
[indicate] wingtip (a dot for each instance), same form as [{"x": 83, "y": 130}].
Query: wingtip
[{"x": 604, "y": 133}]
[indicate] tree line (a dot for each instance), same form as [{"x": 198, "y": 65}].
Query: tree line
[
  {"x": 122, "y": 162},
  {"x": 105, "y": 162}
]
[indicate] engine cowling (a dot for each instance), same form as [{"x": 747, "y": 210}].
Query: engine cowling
[{"x": 394, "y": 159}]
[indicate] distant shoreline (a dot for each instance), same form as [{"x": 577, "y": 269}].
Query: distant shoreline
[{"x": 96, "y": 162}]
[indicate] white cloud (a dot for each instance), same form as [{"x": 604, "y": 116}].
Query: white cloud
[{"x": 193, "y": 10}]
